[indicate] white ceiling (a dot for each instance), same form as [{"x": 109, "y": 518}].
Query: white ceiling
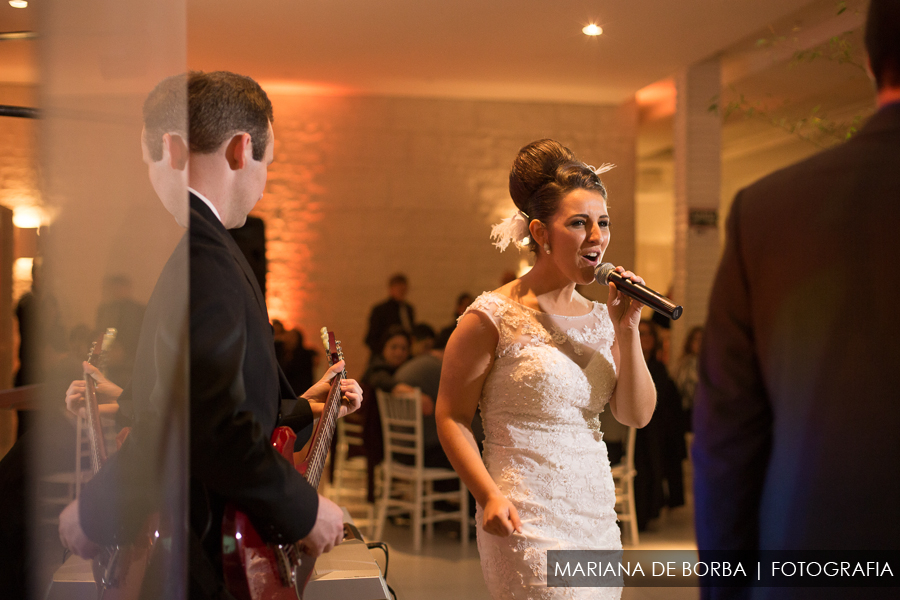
[
  {"x": 509, "y": 49},
  {"x": 501, "y": 49}
]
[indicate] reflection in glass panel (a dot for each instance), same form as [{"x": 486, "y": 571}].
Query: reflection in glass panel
[{"x": 108, "y": 279}]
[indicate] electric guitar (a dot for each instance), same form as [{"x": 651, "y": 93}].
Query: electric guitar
[
  {"x": 255, "y": 570},
  {"x": 118, "y": 569}
]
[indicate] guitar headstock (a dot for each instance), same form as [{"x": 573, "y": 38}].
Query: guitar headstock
[
  {"x": 332, "y": 348},
  {"x": 100, "y": 347}
]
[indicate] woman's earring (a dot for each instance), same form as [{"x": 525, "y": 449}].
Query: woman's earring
[{"x": 546, "y": 247}]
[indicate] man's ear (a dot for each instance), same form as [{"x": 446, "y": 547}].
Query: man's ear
[
  {"x": 239, "y": 151},
  {"x": 175, "y": 150}
]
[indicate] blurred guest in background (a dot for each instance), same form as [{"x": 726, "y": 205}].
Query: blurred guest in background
[
  {"x": 393, "y": 311},
  {"x": 663, "y": 332},
  {"x": 122, "y": 312},
  {"x": 421, "y": 340},
  {"x": 686, "y": 373},
  {"x": 648, "y": 444},
  {"x": 297, "y": 361},
  {"x": 42, "y": 337},
  {"x": 659, "y": 447},
  {"x": 391, "y": 352},
  {"x": 462, "y": 303},
  {"x": 424, "y": 372}
]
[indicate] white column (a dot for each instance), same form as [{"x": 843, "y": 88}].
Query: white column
[{"x": 697, "y": 137}]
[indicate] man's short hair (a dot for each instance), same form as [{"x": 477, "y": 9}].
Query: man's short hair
[
  {"x": 422, "y": 331},
  {"x": 222, "y": 104},
  {"x": 217, "y": 105},
  {"x": 883, "y": 41},
  {"x": 165, "y": 111},
  {"x": 397, "y": 279}
]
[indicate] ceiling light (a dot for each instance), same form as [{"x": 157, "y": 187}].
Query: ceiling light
[
  {"x": 592, "y": 29},
  {"x": 18, "y": 3}
]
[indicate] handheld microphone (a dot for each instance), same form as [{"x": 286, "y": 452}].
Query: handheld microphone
[{"x": 605, "y": 273}]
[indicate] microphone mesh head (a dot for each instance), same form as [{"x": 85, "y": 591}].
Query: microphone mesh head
[{"x": 602, "y": 272}]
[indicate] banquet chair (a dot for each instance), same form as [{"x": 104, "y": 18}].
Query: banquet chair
[
  {"x": 408, "y": 488},
  {"x": 56, "y": 489},
  {"x": 348, "y": 487},
  {"x": 623, "y": 477}
]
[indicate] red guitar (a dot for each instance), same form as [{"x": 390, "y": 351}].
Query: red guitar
[
  {"x": 118, "y": 570},
  {"x": 255, "y": 570}
]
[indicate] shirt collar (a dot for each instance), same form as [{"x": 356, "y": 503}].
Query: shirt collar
[{"x": 207, "y": 202}]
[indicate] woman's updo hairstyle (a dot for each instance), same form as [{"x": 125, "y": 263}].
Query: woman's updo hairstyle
[{"x": 544, "y": 172}]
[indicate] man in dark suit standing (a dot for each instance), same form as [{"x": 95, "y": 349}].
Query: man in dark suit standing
[
  {"x": 796, "y": 420},
  {"x": 393, "y": 311},
  {"x": 236, "y": 386}
]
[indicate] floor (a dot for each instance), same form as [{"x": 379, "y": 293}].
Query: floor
[{"x": 448, "y": 570}]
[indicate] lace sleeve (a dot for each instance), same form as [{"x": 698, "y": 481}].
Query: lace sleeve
[
  {"x": 495, "y": 308},
  {"x": 488, "y": 305}
]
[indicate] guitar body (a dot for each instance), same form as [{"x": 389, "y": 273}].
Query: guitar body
[
  {"x": 119, "y": 570},
  {"x": 250, "y": 565},
  {"x": 255, "y": 570}
]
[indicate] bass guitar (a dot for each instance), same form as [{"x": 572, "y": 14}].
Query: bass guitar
[
  {"x": 119, "y": 569},
  {"x": 255, "y": 570}
]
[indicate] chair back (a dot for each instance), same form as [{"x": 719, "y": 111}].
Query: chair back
[
  {"x": 350, "y": 432},
  {"x": 401, "y": 425}
]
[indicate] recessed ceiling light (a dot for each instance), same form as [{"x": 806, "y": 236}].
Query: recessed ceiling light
[
  {"x": 18, "y": 3},
  {"x": 592, "y": 29}
]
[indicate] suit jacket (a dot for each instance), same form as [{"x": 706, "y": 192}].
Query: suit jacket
[
  {"x": 236, "y": 389},
  {"x": 236, "y": 392},
  {"x": 797, "y": 409},
  {"x": 383, "y": 316},
  {"x": 134, "y": 481}
]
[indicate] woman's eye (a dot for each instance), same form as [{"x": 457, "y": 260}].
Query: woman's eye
[
  {"x": 577, "y": 223},
  {"x": 604, "y": 224}
]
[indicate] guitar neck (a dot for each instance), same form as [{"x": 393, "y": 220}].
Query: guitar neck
[
  {"x": 96, "y": 358},
  {"x": 321, "y": 441},
  {"x": 94, "y": 426}
]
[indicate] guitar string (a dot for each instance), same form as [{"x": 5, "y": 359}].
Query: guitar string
[
  {"x": 321, "y": 455},
  {"x": 318, "y": 462}
]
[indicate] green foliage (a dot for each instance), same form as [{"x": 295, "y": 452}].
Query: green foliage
[
  {"x": 838, "y": 49},
  {"x": 814, "y": 127}
]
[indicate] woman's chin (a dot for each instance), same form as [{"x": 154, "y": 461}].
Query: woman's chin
[{"x": 585, "y": 276}]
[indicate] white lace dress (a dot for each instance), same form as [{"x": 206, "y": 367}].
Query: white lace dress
[{"x": 541, "y": 401}]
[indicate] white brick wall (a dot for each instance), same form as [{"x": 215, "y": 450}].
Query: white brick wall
[{"x": 362, "y": 187}]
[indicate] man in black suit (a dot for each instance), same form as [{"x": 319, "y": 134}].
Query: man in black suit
[
  {"x": 796, "y": 419},
  {"x": 393, "y": 311},
  {"x": 236, "y": 386}
]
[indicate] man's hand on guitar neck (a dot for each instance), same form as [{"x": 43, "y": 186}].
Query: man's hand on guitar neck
[
  {"x": 351, "y": 392},
  {"x": 328, "y": 530},
  {"x": 72, "y": 536},
  {"x": 108, "y": 393}
]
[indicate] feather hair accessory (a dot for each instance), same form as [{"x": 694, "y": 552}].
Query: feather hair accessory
[
  {"x": 511, "y": 230},
  {"x": 602, "y": 168}
]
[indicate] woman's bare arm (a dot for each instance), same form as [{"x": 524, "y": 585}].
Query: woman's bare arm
[
  {"x": 468, "y": 359},
  {"x": 634, "y": 398}
]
